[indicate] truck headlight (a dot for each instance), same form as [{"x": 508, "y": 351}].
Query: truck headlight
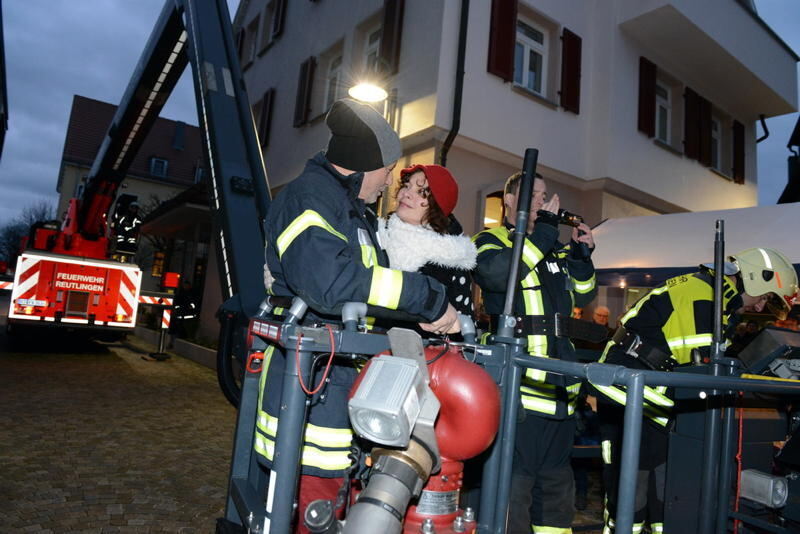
[
  {"x": 770, "y": 490},
  {"x": 387, "y": 402}
]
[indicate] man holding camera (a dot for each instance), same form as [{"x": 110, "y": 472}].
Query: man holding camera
[{"x": 553, "y": 278}]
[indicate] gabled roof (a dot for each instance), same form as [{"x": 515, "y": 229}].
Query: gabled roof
[{"x": 89, "y": 120}]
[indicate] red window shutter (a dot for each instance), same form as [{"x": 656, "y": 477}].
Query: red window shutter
[
  {"x": 265, "y": 117},
  {"x": 302, "y": 104},
  {"x": 647, "y": 97},
  {"x": 502, "y": 38},
  {"x": 391, "y": 32},
  {"x": 570, "y": 71},
  {"x": 691, "y": 124},
  {"x": 278, "y": 17},
  {"x": 738, "y": 152}
]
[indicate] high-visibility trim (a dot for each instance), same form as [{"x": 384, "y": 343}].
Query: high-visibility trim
[
  {"x": 689, "y": 342},
  {"x": 656, "y": 528},
  {"x": 325, "y": 437},
  {"x": 633, "y": 312},
  {"x": 488, "y": 246},
  {"x": 538, "y": 529},
  {"x": 386, "y": 287},
  {"x": 311, "y": 456},
  {"x": 368, "y": 253},
  {"x": 303, "y": 222},
  {"x": 605, "y": 451},
  {"x": 584, "y": 286},
  {"x": 539, "y": 405}
]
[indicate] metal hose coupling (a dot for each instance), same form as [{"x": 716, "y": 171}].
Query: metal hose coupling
[{"x": 397, "y": 476}]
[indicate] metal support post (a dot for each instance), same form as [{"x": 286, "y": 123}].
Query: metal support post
[
  {"x": 286, "y": 461},
  {"x": 631, "y": 442},
  {"x": 726, "y": 463},
  {"x": 513, "y": 377},
  {"x": 160, "y": 355}
]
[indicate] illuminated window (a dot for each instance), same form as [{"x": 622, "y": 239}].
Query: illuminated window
[{"x": 159, "y": 259}]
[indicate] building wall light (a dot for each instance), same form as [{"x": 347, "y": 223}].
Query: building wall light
[{"x": 368, "y": 92}]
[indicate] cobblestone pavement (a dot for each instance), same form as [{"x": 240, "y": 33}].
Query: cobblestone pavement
[{"x": 94, "y": 439}]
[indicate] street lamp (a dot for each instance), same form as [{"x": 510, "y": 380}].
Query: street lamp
[{"x": 368, "y": 92}]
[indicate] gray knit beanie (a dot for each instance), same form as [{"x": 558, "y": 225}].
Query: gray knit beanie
[{"x": 361, "y": 139}]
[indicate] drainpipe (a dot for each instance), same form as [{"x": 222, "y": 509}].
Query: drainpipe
[
  {"x": 459, "y": 88},
  {"x": 764, "y": 126}
]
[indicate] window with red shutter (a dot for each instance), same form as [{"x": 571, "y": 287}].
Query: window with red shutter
[
  {"x": 391, "y": 32},
  {"x": 697, "y": 128},
  {"x": 305, "y": 80},
  {"x": 502, "y": 38},
  {"x": 570, "y": 71},
  {"x": 647, "y": 97},
  {"x": 738, "y": 152}
]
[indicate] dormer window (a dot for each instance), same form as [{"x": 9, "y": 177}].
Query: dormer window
[{"x": 158, "y": 167}]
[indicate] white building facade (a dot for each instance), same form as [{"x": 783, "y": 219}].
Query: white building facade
[{"x": 636, "y": 106}]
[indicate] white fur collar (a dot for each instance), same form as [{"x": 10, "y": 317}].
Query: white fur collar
[{"x": 410, "y": 246}]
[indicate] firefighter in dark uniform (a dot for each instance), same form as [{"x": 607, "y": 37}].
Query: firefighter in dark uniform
[
  {"x": 322, "y": 247},
  {"x": 555, "y": 278},
  {"x": 127, "y": 230},
  {"x": 659, "y": 333}
]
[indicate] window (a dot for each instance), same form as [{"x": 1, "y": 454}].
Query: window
[
  {"x": 158, "y": 264},
  {"x": 250, "y": 41},
  {"x": 305, "y": 83},
  {"x": 530, "y": 57},
  {"x": 333, "y": 83},
  {"x": 716, "y": 144},
  {"x": 263, "y": 114},
  {"x": 199, "y": 174},
  {"x": 663, "y": 113},
  {"x": 372, "y": 48},
  {"x": 272, "y": 26},
  {"x": 158, "y": 167}
]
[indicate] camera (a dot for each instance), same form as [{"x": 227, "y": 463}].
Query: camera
[{"x": 570, "y": 219}]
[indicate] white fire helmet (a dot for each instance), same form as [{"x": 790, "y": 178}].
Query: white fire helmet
[{"x": 767, "y": 271}]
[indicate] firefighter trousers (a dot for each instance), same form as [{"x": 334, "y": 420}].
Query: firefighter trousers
[
  {"x": 651, "y": 476},
  {"x": 542, "y": 485}
]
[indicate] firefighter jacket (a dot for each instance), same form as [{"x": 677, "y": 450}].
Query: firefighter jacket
[
  {"x": 322, "y": 247},
  {"x": 554, "y": 278},
  {"x": 674, "y": 318}
]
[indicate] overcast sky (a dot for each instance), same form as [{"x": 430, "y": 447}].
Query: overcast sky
[{"x": 57, "y": 48}]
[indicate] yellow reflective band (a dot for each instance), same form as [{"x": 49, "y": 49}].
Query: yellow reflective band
[
  {"x": 489, "y": 246},
  {"x": 278, "y": 310},
  {"x": 605, "y": 451},
  {"x": 691, "y": 342},
  {"x": 613, "y": 393},
  {"x": 531, "y": 255},
  {"x": 325, "y": 437},
  {"x": 304, "y": 221},
  {"x": 539, "y": 405},
  {"x": 574, "y": 388},
  {"x": 368, "y": 255},
  {"x": 312, "y": 456},
  {"x": 637, "y": 528},
  {"x": 658, "y": 399},
  {"x": 584, "y": 286},
  {"x": 656, "y": 528},
  {"x": 635, "y": 310},
  {"x": 537, "y": 529},
  {"x": 386, "y": 287}
]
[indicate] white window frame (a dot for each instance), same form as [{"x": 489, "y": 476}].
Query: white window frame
[
  {"x": 529, "y": 45},
  {"x": 371, "y": 66},
  {"x": 155, "y": 162},
  {"x": 333, "y": 82},
  {"x": 716, "y": 143},
  {"x": 666, "y": 105}
]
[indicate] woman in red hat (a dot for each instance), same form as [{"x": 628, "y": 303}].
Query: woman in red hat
[{"x": 423, "y": 235}]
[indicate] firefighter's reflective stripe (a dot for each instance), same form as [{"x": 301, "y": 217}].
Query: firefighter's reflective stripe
[
  {"x": 537, "y": 529},
  {"x": 635, "y": 310},
  {"x": 654, "y": 405},
  {"x": 267, "y": 426},
  {"x": 584, "y": 286},
  {"x": 302, "y": 222},
  {"x": 386, "y": 287},
  {"x": 488, "y": 246},
  {"x": 326, "y": 437},
  {"x": 311, "y": 456},
  {"x": 368, "y": 254},
  {"x": 605, "y": 450},
  {"x": 656, "y": 528}
]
